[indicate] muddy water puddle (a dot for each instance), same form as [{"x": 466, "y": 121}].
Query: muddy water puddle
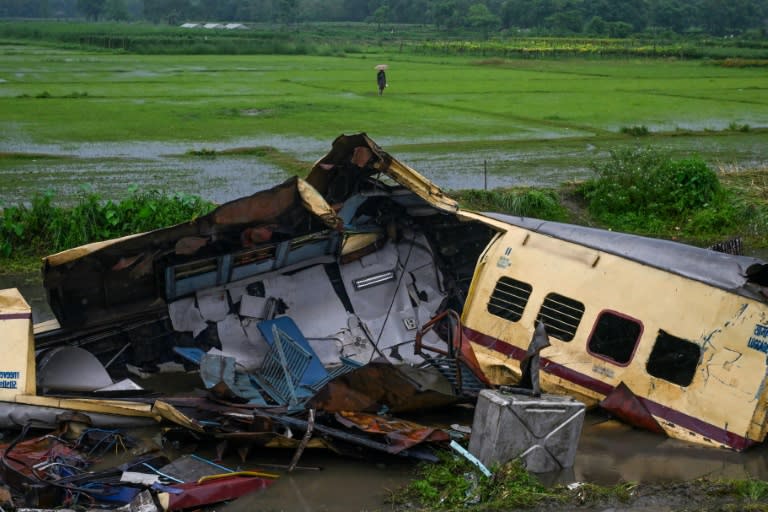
[{"x": 609, "y": 452}]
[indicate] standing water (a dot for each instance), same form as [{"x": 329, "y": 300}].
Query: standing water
[{"x": 609, "y": 452}]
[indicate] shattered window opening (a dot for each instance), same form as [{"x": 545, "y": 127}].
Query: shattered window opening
[
  {"x": 615, "y": 337},
  {"x": 509, "y": 298},
  {"x": 561, "y": 316},
  {"x": 673, "y": 359}
]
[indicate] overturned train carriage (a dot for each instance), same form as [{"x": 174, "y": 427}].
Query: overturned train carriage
[
  {"x": 343, "y": 269},
  {"x": 354, "y": 263}
]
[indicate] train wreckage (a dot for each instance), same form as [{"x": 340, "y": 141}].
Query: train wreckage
[{"x": 330, "y": 303}]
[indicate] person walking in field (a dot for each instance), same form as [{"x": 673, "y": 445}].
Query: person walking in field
[{"x": 381, "y": 78}]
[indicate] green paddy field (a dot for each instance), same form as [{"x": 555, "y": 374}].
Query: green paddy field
[{"x": 224, "y": 125}]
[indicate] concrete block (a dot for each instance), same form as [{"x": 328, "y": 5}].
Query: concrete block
[{"x": 542, "y": 431}]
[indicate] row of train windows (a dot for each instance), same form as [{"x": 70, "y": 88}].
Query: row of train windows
[{"x": 614, "y": 336}]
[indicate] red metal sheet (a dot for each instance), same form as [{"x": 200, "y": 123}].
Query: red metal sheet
[
  {"x": 624, "y": 404},
  {"x": 215, "y": 491}
]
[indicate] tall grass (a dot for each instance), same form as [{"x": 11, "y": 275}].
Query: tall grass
[
  {"x": 540, "y": 203},
  {"x": 42, "y": 227}
]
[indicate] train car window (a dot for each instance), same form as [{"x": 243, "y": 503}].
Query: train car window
[
  {"x": 673, "y": 359},
  {"x": 615, "y": 337},
  {"x": 561, "y": 316},
  {"x": 509, "y": 298}
]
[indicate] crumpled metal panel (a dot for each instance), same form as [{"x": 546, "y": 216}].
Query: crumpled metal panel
[
  {"x": 400, "y": 434},
  {"x": 98, "y": 283},
  {"x": 359, "y": 150},
  {"x": 625, "y": 405},
  {"x": 214, "y": 491},
  {"x": 376, "y": 385}
]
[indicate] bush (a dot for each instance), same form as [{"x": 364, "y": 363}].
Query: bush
[
  {"x": 736, "y": 127},
  {"x": 646, "y": 190},
  {"x": 43, "y": 228},
  {"x": 637, "y": 131}
]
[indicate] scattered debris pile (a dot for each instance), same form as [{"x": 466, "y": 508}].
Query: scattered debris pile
[{"x": 55, "y": 470}]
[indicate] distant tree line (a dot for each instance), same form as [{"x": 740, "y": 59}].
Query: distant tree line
[{"x": 613, "y": 18}]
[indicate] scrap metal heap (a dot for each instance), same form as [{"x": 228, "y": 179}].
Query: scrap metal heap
[{"x": 324, "y": 305}]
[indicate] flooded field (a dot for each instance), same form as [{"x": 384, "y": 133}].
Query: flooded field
[
  {"x": 109, "y": 169},
  {"x": 609, "y": 452},
  {"x": 163, "y": 122}
]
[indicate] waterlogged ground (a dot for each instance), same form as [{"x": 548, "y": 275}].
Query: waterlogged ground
[
  {"x": 609, "y": 452},
  {"x": 109, "y": 169},
  {"x": 110, "y": 120},
  {"x": 536, "y": 123}
]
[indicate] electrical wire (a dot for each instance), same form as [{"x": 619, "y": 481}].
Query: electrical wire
[{"x": 392, "y": 302}]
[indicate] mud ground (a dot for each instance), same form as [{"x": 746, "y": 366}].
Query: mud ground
[{"x": 695, "y": 496}]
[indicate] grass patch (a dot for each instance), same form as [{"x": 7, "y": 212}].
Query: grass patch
[
  {"x": 539, "y": 203},
  {"x": 16, "y": 155},
  {"x": 736, "y": 127},
  {"x": 43, "y": 227},
  {"x": 743, "y": 63},
  {"x": 281, "y": 159},
  {"x": 635, "y": 131},
  {"x": 751, "y": 490},
  {"x": 455, "y": 484}
]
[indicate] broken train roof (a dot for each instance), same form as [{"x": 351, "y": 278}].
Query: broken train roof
[{"x": 119, "y": 278}]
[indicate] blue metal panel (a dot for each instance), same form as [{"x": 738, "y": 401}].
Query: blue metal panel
[
  {"x": 315, "y": 370},
  {"x": 283, "y": 369},
  {"x": 226, "y": 271}
]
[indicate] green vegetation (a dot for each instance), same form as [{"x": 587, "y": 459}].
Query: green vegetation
[
  {"x": 752, "y": 490},
  {"x": 29, "y": 232},
  {"x": 644, "y": 189},
  {"x": 636, "y": 131},
  {"x": 348, "y": 39},
  {"x": 539, "y": 203},
  {"x": 617, "y": 18},
  {"x": 455, "y": 484},
  {"x": 352, "y": 39}
]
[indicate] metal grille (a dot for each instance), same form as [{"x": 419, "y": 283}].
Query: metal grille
[
  {"x": 561, "y": 316},
  {"x": 283, "y": 368},
  {"x": 509, "y": 299}
]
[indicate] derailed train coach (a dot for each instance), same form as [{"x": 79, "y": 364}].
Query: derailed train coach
[{"x": 366, "y": 263}]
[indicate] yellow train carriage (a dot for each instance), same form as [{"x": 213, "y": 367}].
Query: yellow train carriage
[{"x": 681, "y": 330}]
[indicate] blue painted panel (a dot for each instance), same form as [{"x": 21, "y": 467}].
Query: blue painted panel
[{"x": 315, "y": 371}]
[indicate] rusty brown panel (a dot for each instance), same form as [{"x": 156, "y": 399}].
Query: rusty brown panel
[
  {"x": 262, "y": 207},
  {"x": 625, "y": 405},
  {"x": 343, "y": 150},
  {"x": 370, "y": 387},
  {"x": 401, "y": 434}
]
